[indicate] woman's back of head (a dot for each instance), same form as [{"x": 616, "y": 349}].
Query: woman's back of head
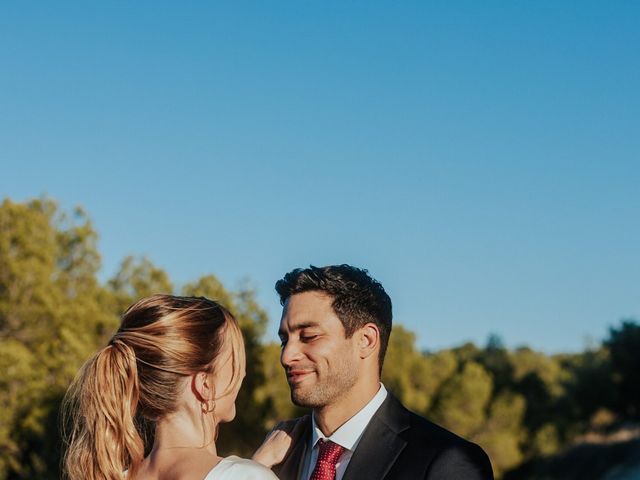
[{"x": 162, "y": 340}]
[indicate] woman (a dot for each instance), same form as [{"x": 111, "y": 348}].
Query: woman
[{"x": 177, "y": 362}]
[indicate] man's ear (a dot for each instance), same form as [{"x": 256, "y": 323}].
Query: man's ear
[{"x": 368, "y": 340}]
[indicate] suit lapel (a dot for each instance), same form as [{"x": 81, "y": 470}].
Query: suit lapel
[
  {"x": 380, "y": 444},
  {"x": 375, "y": 454}
]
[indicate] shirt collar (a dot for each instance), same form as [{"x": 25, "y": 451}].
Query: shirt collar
[{"x": 348, "y": 435}]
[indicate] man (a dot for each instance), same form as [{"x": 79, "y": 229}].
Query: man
[{"x": 335, "y": 329}]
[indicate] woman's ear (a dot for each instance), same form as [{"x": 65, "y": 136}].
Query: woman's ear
[
  {"x": 202, "y": 386},
  {"x": 369, "y": 340}
]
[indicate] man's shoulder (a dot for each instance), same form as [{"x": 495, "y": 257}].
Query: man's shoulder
[
  {"x": 446, "y": 441},
  {"x": 440, "y": 446},
  {"x": 403, "y": 420},
  {"x": 423, "y": 429}
]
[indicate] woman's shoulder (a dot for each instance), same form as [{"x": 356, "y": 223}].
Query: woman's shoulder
[{"x": 241, "y": 469}]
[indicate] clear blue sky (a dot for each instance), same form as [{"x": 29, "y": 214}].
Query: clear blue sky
[{"x": 481, "y": 159}]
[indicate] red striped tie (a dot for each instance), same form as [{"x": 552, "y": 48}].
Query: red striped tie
[{"x": 327, "y": 458}]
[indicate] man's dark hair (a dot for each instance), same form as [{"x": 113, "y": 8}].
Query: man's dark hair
[{"x": 358, "y": 299}]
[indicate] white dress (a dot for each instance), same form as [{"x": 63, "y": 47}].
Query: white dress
[{"x": 236, "y": 468}]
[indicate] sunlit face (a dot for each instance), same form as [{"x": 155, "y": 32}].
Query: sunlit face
[
  {"x": 225, "y": 396},
  {"x": 320, "y": 363}
]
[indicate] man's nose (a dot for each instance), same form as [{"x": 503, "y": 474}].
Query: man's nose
[{"x": 290, "y": 353}]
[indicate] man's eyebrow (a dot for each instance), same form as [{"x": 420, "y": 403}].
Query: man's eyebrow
[{"x": 298, "y": 326}]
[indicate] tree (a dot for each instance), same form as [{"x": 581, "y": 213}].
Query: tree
[
  {"x": 495, "y": 359},
  {"x": 502, "y": 432},
  {"x": 406, "y": 371},
  {"x": 624, "y": 349},
  {"x": 461, "y": 404},
  {"x": 136, "y": 278},
  {"x": 50, "y": 320},
  {"x": 589, "y": 387}
]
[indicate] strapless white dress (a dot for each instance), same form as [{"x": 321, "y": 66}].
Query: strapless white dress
[{"x": 236, "y": 468}]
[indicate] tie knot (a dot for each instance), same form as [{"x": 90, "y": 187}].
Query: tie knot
[
  {"x": 328, "y": 456},
  {"x": 329, "y": 452}
]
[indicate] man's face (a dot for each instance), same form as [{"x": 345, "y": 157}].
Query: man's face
[{"x": 320, "y": 363}]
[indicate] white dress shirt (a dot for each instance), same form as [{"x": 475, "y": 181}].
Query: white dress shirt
[{"x": 347, "y": 436}]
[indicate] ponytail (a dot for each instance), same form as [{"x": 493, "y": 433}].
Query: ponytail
[
  {"x": 162, "y": 340},
  {"x": 99, "y": 411}
]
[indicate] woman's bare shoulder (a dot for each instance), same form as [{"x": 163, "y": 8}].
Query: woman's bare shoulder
[
  {"x": 177, "y": 466},
  {"x": 240, "y": 468}
]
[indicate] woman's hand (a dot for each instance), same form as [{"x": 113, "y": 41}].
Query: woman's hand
[{"x": 279, "y": 441}]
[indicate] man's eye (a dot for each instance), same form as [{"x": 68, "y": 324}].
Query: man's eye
[{"x": 308, "y": 338}]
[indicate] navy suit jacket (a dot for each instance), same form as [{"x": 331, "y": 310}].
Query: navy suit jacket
[{"x": 400, "y": 445}]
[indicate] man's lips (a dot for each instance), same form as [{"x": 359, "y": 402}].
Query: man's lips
[{"x": 296, "y": 376}]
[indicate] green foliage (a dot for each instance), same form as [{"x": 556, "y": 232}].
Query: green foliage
[
  {"x": 406, "y": 371},
  {"x": 496, "y": 359},
  {"x": 440, "y": 367},
  {"x": 136, "y": 278},
  {"x": 462, "y": 401},
  {"x": 589, "y": 387},
  {"x": 502, "y": 433},
  {"x": 20, "y": 386},
  {"x": 50, "y": 320},
  {"x": 624, "y": 344},
  {"x": 545, "y": 441}
]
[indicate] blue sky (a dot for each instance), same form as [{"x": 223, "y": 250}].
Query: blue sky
[{"x": 481, "y": 159}]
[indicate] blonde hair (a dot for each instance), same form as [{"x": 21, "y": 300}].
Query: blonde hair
[{"x": 161, "y": 339}]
